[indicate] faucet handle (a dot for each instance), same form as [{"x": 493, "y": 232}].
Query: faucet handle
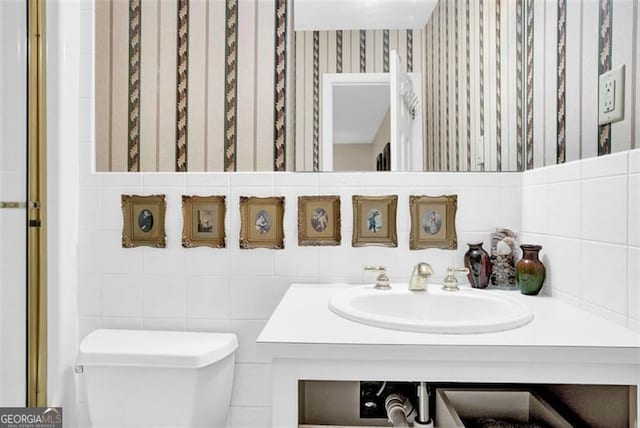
[
  {"x": 382, "y": 281},
  {"x": 450, "y": 282}
]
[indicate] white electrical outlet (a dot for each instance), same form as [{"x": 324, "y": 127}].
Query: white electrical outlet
[{"x": 611, "y": 96}]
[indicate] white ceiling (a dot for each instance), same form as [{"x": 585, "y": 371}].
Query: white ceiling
[
  {"x": 361, "y": 14},
  {"x": 358, "y": 111}
]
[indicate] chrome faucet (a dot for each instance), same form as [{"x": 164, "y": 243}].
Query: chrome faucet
[{"x": 419, "y": 276}]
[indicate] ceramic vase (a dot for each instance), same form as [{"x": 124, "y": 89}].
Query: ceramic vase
[
  {"x": 530, "y": 271},
  {"x": 477, "y": 260}
]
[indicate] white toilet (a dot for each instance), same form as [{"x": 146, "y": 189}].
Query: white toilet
[{"x": 158, "y": 378}]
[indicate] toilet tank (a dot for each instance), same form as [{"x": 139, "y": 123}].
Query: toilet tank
[{"x": 137, "y": 378}]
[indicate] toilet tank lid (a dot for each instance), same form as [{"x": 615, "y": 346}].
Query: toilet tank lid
[{"x": 142, "y": 348}]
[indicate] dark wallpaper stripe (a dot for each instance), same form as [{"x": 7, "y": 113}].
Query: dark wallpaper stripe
[
  {"x": 438, "y": 81},
  {"x": 498, "y": 90},
  {"x": 456, "y": 167},
  {"x": 339, "y": 51},
  {"x": 231, "y": 89},
  {"x": 316, "y": 101},
  {"x": 519, "y": 82},
  {"x": 447, "y": 141},
  {"x": 133, "y": 128},
  {"x": 604, "y": 64},
  {"x": 468, "y": 78},
  {"x": 385, "y": 51},
  {"x": 481, "y": 66},
  {"x": 561, "y": 88},
  {"x": 529, "y": 78},
  {"x": 182, "y": 83},
  {"x": 280, "y": 90},
  {"x": 363, "y": 51},
  {"x": 409, "y": 51}
]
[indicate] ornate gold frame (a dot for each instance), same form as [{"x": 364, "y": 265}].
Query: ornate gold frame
[
  {"x": 248, "y": 238},
  {"x": 450, "y": 240},
  {"x": 191, "y": 237},
  {"x": 131, "y": 233},
  {"x": 305, "y": 236},
  {"x": 388, "y": 203}
]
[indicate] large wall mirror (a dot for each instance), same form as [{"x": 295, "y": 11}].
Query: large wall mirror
[{"x": 352, "y": 85}]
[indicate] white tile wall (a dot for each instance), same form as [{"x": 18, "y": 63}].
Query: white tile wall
[
  {"x": 236, "y": 290},
  {"x": 586, "y": 214}
]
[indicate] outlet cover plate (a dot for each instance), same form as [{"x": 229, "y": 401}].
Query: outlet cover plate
[{"x": 611, "y": 96}]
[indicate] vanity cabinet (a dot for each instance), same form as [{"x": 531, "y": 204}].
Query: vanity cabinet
[
  {"x": 563, "y": 345},
  {"x": 342, "y": 403}
]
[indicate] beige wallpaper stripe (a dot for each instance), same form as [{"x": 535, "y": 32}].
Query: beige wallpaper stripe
[
  {"x": 149, "y": 60},
  {"x": 167, "y": 75},
  {"x": 103, "y": 12},
  {"x": 216, "y": 78},
  {"x": 120, "y": 87},
  {"x": 197, "y": 85}
]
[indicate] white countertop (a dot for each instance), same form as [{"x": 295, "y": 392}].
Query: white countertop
[{"x": 303, "y": 321}]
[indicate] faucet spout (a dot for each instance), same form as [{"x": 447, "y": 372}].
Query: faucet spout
[{"x": 419, "y": 276}]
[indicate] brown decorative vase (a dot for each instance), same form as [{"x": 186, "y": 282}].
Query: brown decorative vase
[
  {"x": 530, "y": 271},
  {"x": 478, "y": 262}
]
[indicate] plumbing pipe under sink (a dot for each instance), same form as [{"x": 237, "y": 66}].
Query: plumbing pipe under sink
[
  {"x": 401, "y": 412},
  {"x": 396, "y": 410}
]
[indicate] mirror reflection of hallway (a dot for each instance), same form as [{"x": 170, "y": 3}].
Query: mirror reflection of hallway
[{"x": 361, "y": 126}]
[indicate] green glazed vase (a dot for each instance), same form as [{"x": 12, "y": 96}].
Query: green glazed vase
[{"x": 530, "y": 271}]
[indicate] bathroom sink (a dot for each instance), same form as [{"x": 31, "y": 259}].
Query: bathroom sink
[{"x": 435, "y": 311}]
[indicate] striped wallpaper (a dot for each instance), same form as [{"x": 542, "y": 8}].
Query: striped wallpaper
[
  {"x": 341, "y": 51},
  {"x": 191, "y": 85},
  {"x": 471, "y": 91},
  {"x": 204, "y": 85}
]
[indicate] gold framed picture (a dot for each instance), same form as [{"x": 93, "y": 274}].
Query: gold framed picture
[
  {"x": 203, "y": 221},
  {"x": 143, "y": 221},
  {"x": 262, "y": 222},
  {"x": 374, "y": 221},
  {"x": 433, "y": 222},
  {"x": 319, "y": 220}
]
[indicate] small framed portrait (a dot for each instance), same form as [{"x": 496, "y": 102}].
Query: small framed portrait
[
  {"x": 319, "y": 220},
  {"x": 374, "y": 221},
  {"x": 203, "y": 221},
  {"x": 143, "y": 221},
  {"x": 262, "y": 222},
  {"x": 433, "y": 222}
]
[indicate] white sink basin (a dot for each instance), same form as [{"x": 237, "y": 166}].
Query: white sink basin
[{"x": 435, "y": 311}]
